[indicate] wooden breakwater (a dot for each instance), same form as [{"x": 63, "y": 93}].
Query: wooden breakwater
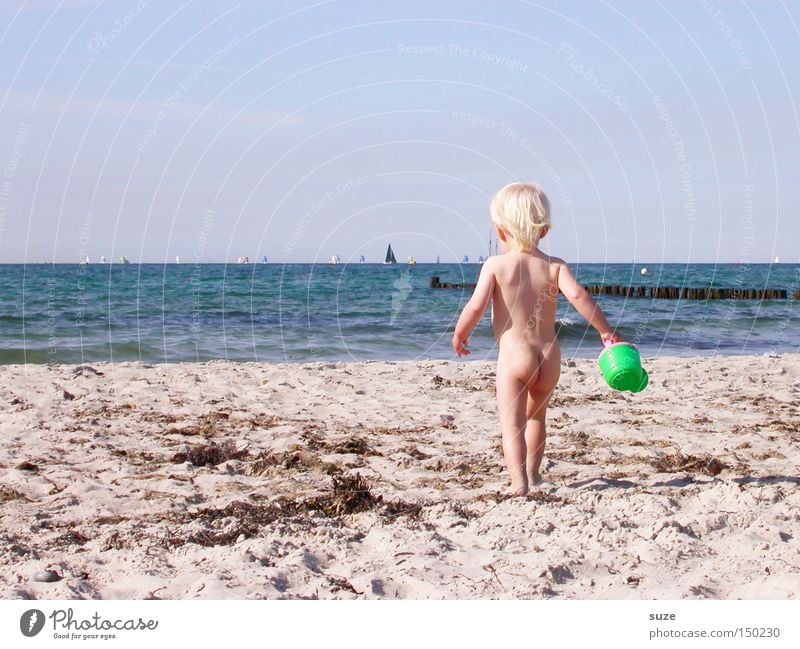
[{"x": 666, "y": 292}]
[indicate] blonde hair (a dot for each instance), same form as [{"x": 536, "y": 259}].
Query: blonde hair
[{"x": 522, "y": 211}]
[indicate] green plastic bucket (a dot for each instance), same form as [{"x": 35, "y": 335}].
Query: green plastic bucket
[{"x": 622, "y": 369}]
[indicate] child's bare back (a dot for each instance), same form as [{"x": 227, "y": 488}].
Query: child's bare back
[
  {"x": 523, "y": 318},
  {"x": 523, "y": 285}
]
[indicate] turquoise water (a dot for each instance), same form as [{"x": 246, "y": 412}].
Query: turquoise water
[{"x": 153, "y": 313}]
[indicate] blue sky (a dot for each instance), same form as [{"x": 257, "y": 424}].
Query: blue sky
[{"x": 661, "y": 131}]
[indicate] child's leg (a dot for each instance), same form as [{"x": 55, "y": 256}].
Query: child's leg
[
  {"x": 511, "y": 398},
  {"x": 536, "y": 411},
  {"x": 535, "y": 434}
]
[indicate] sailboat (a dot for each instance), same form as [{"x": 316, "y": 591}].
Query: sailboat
[
  {"x": 390, "y": 258},
  {"x": 777, "y": 261}
]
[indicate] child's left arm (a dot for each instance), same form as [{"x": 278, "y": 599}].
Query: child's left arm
[{"x": 474, "y": 309}]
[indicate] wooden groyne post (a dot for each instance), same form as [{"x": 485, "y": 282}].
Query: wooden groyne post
[{"x": 666, "y": 292}]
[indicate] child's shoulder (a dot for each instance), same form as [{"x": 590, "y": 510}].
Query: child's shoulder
[{"x": 557, "y": 261}]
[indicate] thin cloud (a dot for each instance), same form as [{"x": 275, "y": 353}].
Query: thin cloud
[
  {"x": 43, "y": 5},
  {"x": 144, "y": 110}
]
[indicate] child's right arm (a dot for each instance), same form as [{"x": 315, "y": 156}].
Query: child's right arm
[
  {"x": 584, "y": 303},
  {"x": 473, "y": 310}
]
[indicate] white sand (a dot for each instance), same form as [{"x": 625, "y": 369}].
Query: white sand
[{"x": 108, "y": 505}]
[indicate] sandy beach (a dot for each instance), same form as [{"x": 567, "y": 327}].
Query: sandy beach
[{"x": 386, "y": 480}]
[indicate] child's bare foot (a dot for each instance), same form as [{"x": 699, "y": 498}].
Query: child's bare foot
[
  {"x": 519, "y": 485},
  {"x": 541, "y": 483},
  {"x": 535, "y": 479}
]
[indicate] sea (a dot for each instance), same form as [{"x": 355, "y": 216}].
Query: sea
[{"x": 305, "y": 313}]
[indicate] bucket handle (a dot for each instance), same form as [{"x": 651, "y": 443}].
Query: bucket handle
[{"x": 608, "y": 343}]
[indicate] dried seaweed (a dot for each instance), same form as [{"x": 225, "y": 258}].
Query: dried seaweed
[
  {"x": 340, "y": 583},
  {"x": 7, "y": 495},
  {"x": 357, "y": 445},
  {"x": 439, "y": 381},
  {"x": 135, "y": 457},
  {"x": 785, "y": 426},
  {"x": 397, "y": 508},
  {"x": 350, "y": 495},
  {"x": 247, "y": 519},
  {"x": 208, "y": 426},
  {"x": 462, "y": 512},
  {"x": 210, "y": 454},
  {"x": 312, "y": 439},
  {"x": 72, "y": 537},
  {"x": 678, "y": 462},
  {"x": 268, "y": 463},
  {"x": 465, "y": 468},
  {"x": 415, "y": 453},
  {"x": 539, "y": 496}
]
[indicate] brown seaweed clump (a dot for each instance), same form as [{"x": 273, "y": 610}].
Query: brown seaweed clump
[
  {"x": 679, "y": 462},
  {"x": 350, "y": 495},
  {"x": 210, "y": 454},
  {"x": 267, "y": 463}
]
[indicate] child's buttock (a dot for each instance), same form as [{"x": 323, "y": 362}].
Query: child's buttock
[{"x": 536, "y": 364}]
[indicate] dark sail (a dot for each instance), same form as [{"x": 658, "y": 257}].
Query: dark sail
[{"x": 390, "y": 259}]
